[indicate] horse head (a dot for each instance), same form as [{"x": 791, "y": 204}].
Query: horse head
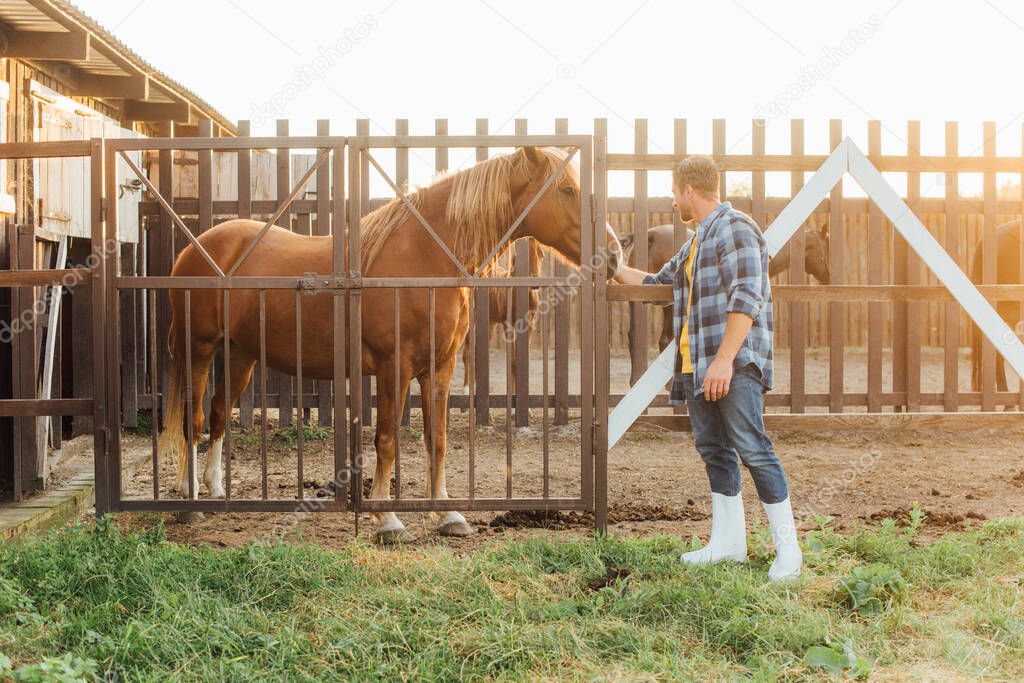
[
  {"x": 816, "y": 254},
  {"x": 554, "y": 219}
]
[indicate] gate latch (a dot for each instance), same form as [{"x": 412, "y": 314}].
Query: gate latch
[{"x": 311, "y": 283}]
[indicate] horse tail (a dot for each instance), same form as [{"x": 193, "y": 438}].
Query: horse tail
[{"x": 172, "y": 438}]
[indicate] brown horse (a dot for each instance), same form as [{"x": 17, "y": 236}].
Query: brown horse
[
  {"x": 498, "y": 309},
  {"x": 470, "y": 212},
  {"x": 661, "y": 247},
  {"x": 1008, "y": 272}
]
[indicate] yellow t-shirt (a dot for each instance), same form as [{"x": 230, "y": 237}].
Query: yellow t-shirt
[{"x": 686, "y": 364}]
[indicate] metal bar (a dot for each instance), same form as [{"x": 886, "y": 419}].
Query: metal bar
[
  {"x": 175, "y": 217},
  {"x": 323, "y": 227},
  {"x": 280, "y": 210},
  {"x": 189, "y": 449},
  {"x": 299, "y": 422},
  {"x": 355, "y": 373},
  {"x": 226, "y": 444},
  {"x": 545, "y": 446},
  {"x": 154, "y": 408},
  {"x": 431, "y": 399},
  {"x": 398, "y": 395},
  {"x": 340, "y": 347},
  {"x": 587, "y": 332},
  {"x": 263, "y": 390},
  {"x": 470, "y": 370},
  {"x": 324, "y": 282},
  {"x": 320, "y": 505},
  {"x": 508, "y": 393}
]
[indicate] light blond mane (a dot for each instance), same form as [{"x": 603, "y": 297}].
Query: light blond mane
[{"x": 478, "y": 212}]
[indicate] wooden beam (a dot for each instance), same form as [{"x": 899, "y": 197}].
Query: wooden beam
[
  {"x": 134, "y": 87},
  {"x": 44, "y": 45},
  {"x": 137, "y": 110},
  {"x": 862, "y": 421}
]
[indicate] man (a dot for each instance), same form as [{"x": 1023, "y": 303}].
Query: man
[{"x": 723, "y": 321}]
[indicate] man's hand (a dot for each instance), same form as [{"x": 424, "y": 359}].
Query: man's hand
[
  {"x": 630, "y": 276},
  {"x": 717, "y": 379}
]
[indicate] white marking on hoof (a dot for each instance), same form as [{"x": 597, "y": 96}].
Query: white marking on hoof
[
  {"x": 454, "y": 524},
  {"x": 183, "y": 482},
  {"x": 391, "y": 530},
  {"x": 213, "y": 476}
]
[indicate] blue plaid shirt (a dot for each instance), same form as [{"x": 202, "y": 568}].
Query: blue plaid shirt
[{"x": 731, "y": 276}]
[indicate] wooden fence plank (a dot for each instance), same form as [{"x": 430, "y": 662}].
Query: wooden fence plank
[
  {"x": 246, "y": 401},
  {"x": 797, "y": 310},
  {"x": 876, "y": 236},
  {"x": 286, "y": 383},
  {"x": 837, "y": 270},
  {"x": 989, "y": 249},
  {"x": 914, "y": 265},
  {"x": 562, "y": 313},
  {"x": 951, "y": 328},
  {"x": 639, "y": 332}
]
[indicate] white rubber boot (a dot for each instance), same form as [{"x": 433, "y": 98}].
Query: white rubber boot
[
  {"x": 788, "y": 556},
  {"x": 728, "y": 533}
]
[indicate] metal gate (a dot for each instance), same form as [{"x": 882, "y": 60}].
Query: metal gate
[{"x": 345, "y": 202}]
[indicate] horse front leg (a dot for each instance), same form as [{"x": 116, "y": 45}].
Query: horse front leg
[
  {"x": 435, "y": 429},
  {"x": 390, "y": 529}
]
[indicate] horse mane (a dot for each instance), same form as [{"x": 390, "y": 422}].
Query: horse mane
[{"x": 478, "y": 212}]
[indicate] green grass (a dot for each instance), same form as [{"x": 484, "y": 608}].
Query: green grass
[{"x": 90, "y": 601}]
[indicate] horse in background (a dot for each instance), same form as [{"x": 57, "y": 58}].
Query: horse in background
[
  {"x": 1008, "y": 272},
  {"x": 470, "y": 212},
  {"x": 661, "y": 247},
  {"x": 498, "y": 309}
]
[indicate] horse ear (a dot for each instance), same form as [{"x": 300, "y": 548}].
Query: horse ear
[{"x": 533, "y": 155}]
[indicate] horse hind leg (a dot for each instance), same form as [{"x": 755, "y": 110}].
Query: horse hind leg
[
  {"x": 202, "y": 358},
  {"x": 240, "y": 370}
]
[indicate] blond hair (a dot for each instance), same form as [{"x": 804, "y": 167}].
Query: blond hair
[
  {"x": 479, "y": 207},
  {"x": 700, "y": 172}
]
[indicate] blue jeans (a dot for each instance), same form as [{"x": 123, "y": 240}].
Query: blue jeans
[{"x": 731, "y": 426}]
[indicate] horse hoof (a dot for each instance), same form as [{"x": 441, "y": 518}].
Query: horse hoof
[
  {"x": 217, "y": 493},
  {"x": 190, "y": 517},
  {"x": 458, "y": 528},
  {"x": 393, "y": 537}
]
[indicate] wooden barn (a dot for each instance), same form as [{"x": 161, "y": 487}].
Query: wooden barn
[{"x": 63, "y": 77}]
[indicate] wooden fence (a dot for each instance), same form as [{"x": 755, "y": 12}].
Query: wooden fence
[{"x": 894, "y": 315}]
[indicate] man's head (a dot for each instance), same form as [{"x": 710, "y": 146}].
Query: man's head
[{"x": 695, "y": 187}]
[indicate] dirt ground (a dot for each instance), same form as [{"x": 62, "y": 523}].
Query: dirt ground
[{"x": 656, "y": 479}]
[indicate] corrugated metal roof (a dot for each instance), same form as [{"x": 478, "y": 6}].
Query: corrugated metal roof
[{"x": 23, "y": 15}]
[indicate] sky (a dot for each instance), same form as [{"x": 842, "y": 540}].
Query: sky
[{"x": 891, "y": 60}]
